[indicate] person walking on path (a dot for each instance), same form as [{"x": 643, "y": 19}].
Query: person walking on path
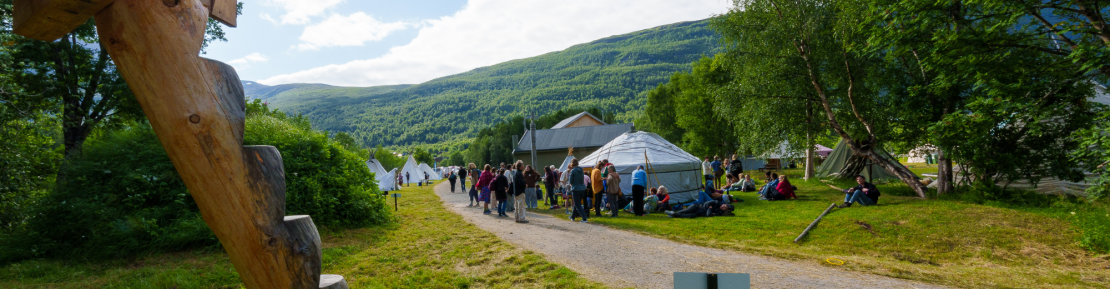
[
  {"x": 452, "y": 178},
  {"x": 614, "y": 190},
  {"x": 718, "y": 171},
  {"x": 462, "y": 178},
  {"x": 531, "y": 180},
  {"x": 473, "y": 192},
  {"x": 483, "y": 184},
  {"x": 520, "y": 193},
  {"x": 578, "y": 191},
  {"x": 639, "y": 183}
]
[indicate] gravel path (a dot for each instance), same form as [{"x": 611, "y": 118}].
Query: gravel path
[{"x": 606, "y": 258}]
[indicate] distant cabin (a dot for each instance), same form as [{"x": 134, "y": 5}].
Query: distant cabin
[
  {"x": 579, "y": 120},
  {"x": 584, "y": 132}
]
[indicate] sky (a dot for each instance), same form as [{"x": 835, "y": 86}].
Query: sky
[{"x": 378, "y": 42}]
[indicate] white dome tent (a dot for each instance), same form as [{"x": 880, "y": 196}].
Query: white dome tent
[
  {"x": 387, "y": 181},
  {"x": 666, "y": 164},
  {"x": 415, "y": 174}
]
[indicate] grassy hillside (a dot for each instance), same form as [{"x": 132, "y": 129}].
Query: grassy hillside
[
  {"x": 294, "y": 95},
  {"x": 612, "y": 74}
]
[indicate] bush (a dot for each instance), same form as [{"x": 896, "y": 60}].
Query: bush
[
  {"x": 322, "y": 178},
  {"x": 122, "y": 195}
]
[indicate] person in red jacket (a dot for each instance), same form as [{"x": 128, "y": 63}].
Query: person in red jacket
[
  {"x": 664, "y": 199},
  {"x": 785, "y": 188},
  {"x": 483, "y": 185}
]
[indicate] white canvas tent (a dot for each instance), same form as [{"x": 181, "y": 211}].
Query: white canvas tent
[
  {"x": 432, "y": 174},
  {"x": 566, "y": 163},
  {"x": 676, "y": 169},
  {"x": 387, "y": 181},
  {"x": 917, "y": 155},
  {"x": 412, "y": 170}
]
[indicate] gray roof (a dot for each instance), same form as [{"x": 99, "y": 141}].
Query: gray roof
[
  {"x": 576, "y": 137},
  {"x": 566, "y": 122}
]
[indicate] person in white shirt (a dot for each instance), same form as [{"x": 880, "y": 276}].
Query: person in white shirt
[{"x": 707, "y": 168}]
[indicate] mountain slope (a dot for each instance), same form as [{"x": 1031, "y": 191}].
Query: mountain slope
[{"x": 612, "y": 74}]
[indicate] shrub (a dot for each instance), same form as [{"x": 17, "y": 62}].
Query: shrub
[{"x": 122, "y": 195}]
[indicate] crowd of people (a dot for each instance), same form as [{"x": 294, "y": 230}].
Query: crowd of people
[{"x": 515, "y": 188}]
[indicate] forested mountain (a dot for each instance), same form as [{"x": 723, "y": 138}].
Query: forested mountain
[{"x": 612, "y": 74}]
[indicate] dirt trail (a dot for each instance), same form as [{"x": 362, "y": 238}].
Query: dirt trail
[{"x": 624, "y": 259}]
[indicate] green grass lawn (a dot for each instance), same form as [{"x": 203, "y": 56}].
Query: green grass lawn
[
  {"x": 936, "y": 241},
  {"x": 427, "y": 247}
]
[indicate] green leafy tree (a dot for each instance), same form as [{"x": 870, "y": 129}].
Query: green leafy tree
[
  {"x": 1000, "y": 85},
  {"x": 800, "y": 53},
  {"x": 422, "y": 156}
]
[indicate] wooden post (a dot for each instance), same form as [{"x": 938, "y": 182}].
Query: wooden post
[{"x": 799, "y": 238}]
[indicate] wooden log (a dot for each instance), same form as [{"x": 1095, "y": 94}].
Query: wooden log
[
  {"x": 224, "y": 11},
  {"x": 306, "y": 244},
  {"x": 193, "y": 110},
  {"x": 48, "y": 20},
  {"x": 328, "y": 281},
  {"x": 229, "y": 89},
  {"x": 811, "y": 225}
]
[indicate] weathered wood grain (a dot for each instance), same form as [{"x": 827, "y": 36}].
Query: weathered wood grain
[
  {"x": 306, "y": 244},
  {"x": 332, "y": 282},
  {"x": 48, "y": 20},
  {"x": 195, "y": 108},
  {"x": 224, "y": 11}
]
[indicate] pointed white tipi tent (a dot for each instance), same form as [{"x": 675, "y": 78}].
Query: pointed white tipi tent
[
  {"x": 387, "y": 181},
  {"x": 432, "y": 174},
  {"x": 411, "y": 172},
  {"x": 666, "y": 164}
]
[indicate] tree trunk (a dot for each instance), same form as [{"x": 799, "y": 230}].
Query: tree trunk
[
  {"x": 809, "y": 161},
  {"x": 944, "y": 173},
  {"x": 903, "y": 173},
  {"x": 853, "y": 166}
]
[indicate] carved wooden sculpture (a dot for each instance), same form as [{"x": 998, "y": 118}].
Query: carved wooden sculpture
[{"x": 196, "y": 107}]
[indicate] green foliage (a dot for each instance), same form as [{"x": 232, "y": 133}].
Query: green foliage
[
  {"x": 388, "y": 160},
  {"x": 28, "y": 155},
  {"x": 123, "y": 195},
  {"x": 685, "y": 111},
  {"x": 611, "y": 74},
  {"x": 422, "y": 156},
  {"x": 1096, "y": 156},
  {"x": 322, "y": 178}
]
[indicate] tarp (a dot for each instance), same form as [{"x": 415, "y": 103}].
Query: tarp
[
  {"x": 839, "y": 156},
  {"x": 676, "y": 169},
  {"x": 387, "y": 181},
  {"x": 412, "y": 171},
  {"x": 823, "y": 151},
  {"x": 432, "y": 174}
]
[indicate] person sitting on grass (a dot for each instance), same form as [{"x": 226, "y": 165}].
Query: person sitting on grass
[
  {"x": 664, "y": 199},
  {"x": 768, "y": 191},
  {"x": 707, "y": 209},
  {"x": 785, "y": 188},
  {"x": 865, "y": 193},
  {"x": 746, "y": 183}
]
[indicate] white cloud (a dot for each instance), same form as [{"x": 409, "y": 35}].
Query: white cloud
[
  {"x": 267, "y": 17},
  {"x": 487, "y": 32},
  {"x": 245, "y": 61},
  {"x": 298, "y": 11},
  {"x": 339, "y": 30}
]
